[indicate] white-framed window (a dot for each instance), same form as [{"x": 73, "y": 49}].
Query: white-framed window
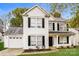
[
  {"x": 39, "y": 40},
  {"x": 36, "y": 22},
  {"x": 39, "y": 22},
  {"x": 63, "y": 40},
  {"x": 35, "y": 40},
  {"x": 33, "y": 22},
  {"x": 51, "y": 26}
]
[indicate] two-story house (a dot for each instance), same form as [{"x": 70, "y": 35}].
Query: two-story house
[{"x": 40, "y": 30}]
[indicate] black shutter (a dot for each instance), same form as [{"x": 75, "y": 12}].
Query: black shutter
[
  {"x": 67, "y": 39},
  {"x": 43, "y": 40},
  {"x": 43, "y": 22},
  {"x": 58, "y": 26},
  {"x": 58, "y": 40},
  {"x": 53, "y": 26},
  {"x": 28, "y": 40},
  {"x": 29, "y": 22}
]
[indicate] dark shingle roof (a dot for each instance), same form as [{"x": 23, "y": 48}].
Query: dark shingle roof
[{"x": 14, "y": 31}]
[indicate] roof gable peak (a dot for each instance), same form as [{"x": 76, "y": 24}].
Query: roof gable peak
[{"x": 36, "y": 6}]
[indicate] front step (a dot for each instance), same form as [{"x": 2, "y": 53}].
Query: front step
[{"x": 52, "y": 47}]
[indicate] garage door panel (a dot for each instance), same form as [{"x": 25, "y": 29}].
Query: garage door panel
[{"x": 15, "y": 43}]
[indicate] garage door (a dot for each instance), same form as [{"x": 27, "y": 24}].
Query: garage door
[{"x": 15, "y": 43}]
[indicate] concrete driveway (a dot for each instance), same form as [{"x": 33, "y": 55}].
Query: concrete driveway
[{"x": 11, "y": 52}]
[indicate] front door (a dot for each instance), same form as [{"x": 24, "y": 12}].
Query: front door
[{"x": 50, "y": 41}]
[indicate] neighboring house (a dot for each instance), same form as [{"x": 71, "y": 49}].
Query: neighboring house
[
  {"x": 1, "y": 30},
  {"x": 6, "y": 25},
  {"x": 75, "y": 38},
  {"x": 40, "y": 30}
]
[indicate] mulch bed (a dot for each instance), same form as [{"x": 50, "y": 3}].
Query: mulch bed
[{"x": 36, "y": 50}]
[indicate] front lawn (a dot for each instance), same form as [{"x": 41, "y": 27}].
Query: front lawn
[
  {"x": 61, "y": 52},
  {"x": 1, "y": 46}
]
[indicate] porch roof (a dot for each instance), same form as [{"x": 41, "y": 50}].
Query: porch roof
[{"x": 66, "y": 33}]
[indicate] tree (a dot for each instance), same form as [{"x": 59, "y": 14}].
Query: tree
[
  {"x": 62, "y": 7},
  {"x": 74, "y": 22},
  {"x": 56, "y": 14},
  {"x": 73, "y": 7},
  {"x": 17, "y": 21}
]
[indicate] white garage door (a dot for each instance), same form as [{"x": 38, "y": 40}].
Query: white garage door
[{"x": 15, "y": 43}]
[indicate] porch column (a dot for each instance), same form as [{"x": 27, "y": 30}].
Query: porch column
[
  {"x": 55, "y": 26},
  {"x": 55, "y": 41},
  {"x": 70, "y": 41}
]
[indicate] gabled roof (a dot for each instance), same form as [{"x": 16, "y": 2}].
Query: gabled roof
[
  {"x": 14, "y": 31},
  {"x": 36, "y": 6}
]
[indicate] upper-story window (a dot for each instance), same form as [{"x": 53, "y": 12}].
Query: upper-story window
[
  {"x": 36, "y": 22},
  {"x": 39, "y": 22}
]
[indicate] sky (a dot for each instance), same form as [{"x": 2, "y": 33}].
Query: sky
[{"x": 8, "y": 7}]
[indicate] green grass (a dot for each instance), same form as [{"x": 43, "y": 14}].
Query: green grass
[
  {"x": 61, "y": 52},
  {"x": 2, "y": 46}
]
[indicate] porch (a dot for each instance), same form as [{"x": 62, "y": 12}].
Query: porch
[{"x": 58, "y": 39}]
